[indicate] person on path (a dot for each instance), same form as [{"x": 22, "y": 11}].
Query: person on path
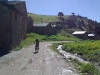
[{"x": 36, "y": 45}]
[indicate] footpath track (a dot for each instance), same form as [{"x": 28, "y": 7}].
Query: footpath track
[{"x": 25, "y": 62}]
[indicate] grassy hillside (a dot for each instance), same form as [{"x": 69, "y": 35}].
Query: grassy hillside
[
  {"x": 46, "y": 18},
  {"x": 70, "y": 23}
]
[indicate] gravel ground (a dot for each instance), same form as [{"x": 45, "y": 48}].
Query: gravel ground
[{"x": 45, "y": 62}]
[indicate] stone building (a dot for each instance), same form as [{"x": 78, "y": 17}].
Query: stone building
[
  {"x": 91, "y": 36},
  {"x": 30, "y": 25},
  {"x": 13, "y": 21},
  {"x": 81, "y": 34},
  {"x": 45, "y": 29}
]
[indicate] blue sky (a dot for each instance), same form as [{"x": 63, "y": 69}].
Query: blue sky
[{"x": 86, "y": 8}]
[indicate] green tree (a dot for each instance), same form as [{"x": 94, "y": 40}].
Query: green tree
[
  {"x": 60, "y": 14},
  {"x": 73, "y": 13}
]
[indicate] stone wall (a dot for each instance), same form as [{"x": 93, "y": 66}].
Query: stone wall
[
  {"x": 12, "y": 25},
  {"x": 30, "y": 25},
  {"x": 49, "y": 30},
  {"x": 39, "y": 29},
  {"x": 22, "y": 8},
  {"x": 45, "y": 30},
  {"x": 16, "y": 28},
  {"x": 19, "y": 25},
  {"x": 5, "y": 28}
]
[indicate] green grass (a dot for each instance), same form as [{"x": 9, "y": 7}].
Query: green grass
[
  {"x": 86, "y": 69},
  {"x": 45, "y": 18},
  {"x": 60, "y": 37},
  {"x": 90, "y": 50},
  {"x": 54, "y": 47},
  {"x": 67, "y": 34},
  {"x": 30, "y": 38}
]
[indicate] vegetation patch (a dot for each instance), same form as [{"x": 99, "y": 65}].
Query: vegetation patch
[
  {"x": 70, "y": 22},
  {"x": 44, "y": 18},
  {"x": 86, "y": 69},
  {"x": 30, "y": 38},
  {"x": 54, "y": 47},
  {"x": 88, "y": 50}
]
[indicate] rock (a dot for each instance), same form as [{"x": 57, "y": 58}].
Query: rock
[{"x": 69, "y": 59}]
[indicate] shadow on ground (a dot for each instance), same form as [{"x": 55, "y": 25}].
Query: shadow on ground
[
  {"x": 3, "y": 52},
  {"x": 35, "y": 52}
]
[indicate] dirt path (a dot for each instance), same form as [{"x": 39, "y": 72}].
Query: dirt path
[{"x": 25, "y": 62}]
